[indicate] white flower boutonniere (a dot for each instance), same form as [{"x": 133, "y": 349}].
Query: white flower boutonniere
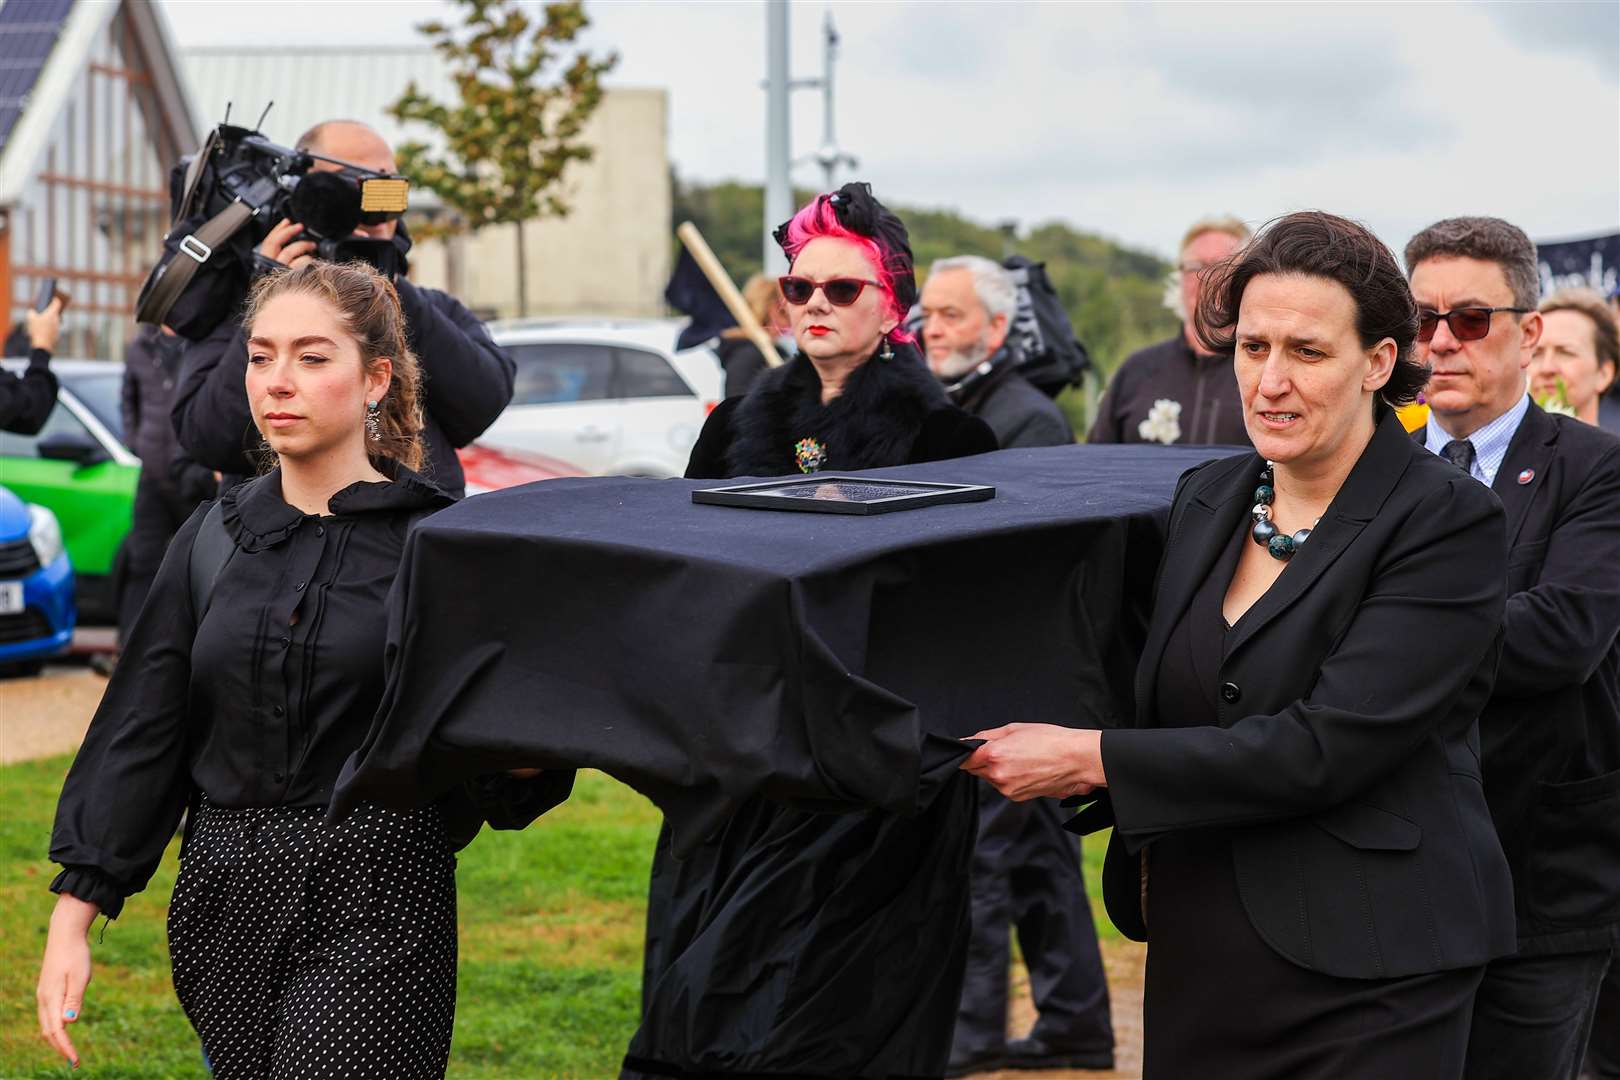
[{"x": 1163, "y": 423}]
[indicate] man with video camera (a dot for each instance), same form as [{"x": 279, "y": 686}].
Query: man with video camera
[{"x": 466, "y": 377}]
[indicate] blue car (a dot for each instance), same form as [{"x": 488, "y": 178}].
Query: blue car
[{"x": 36, "y": 586}]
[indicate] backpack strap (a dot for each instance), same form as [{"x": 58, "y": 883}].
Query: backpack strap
[{"x": 211, "y": 549}]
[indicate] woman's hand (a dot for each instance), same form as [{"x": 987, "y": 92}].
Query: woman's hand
[
  {"x": 1028, "y": 761},
  {"x": 65, "y": 972},
  {"x": 45, "y": 327}
]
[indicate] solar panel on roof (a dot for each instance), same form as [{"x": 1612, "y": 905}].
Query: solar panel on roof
[{"x": 28, "y": 32}]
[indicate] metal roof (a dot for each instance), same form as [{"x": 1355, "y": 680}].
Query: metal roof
[
  {"x": 41, "y": 75},
  {"x": 309, "y": 84},
  {"x": 28, "y": 33}
]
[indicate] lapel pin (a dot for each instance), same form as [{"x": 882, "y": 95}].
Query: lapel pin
[{"x": 1527, "y": 476}]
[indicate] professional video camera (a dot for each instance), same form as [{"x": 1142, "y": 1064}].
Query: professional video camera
[{"x": 230, "y": 194}]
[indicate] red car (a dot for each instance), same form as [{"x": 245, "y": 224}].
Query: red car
[{"x": 489, "y": 469}]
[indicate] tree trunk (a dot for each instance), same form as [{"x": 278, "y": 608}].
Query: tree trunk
[{"x": 522, "y": 274}]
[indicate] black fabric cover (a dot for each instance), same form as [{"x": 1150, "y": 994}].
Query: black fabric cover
[
  {"x": 706, "y": 654},
  {"x": 751, "y": 671}
]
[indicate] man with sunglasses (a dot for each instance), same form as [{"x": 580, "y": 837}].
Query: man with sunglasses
[
  {"x": 466, "y": 377},
  {"x": 1550, "y": 735}
]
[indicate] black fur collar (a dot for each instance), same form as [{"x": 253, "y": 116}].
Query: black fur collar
[{"x": 873, "y": 423}]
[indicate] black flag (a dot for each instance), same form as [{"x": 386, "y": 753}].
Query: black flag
[{"x": 689, "y": 291}]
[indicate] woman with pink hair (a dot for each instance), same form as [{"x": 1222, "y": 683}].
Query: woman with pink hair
[
  {"x": 858, "y": 394},
  {"x": 796, "y": 942}
]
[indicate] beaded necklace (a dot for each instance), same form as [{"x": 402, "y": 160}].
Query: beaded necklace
[{"x": 1278, "y": 544}]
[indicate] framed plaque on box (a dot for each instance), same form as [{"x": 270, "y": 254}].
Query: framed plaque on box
[{"x": 843, "y": 495}]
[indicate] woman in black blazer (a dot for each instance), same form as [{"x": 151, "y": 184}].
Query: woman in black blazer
[{"x": 1300, "y": 830}]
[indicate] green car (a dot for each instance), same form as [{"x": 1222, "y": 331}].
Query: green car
[{"x": 79, "y": 468}]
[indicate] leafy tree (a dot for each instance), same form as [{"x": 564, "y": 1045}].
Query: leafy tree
[{"x": 516, "y": 126}]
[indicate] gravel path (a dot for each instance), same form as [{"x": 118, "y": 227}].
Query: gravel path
[
  {"x": 47, "y": 714},
  {"x": 1125, "y": 963}
]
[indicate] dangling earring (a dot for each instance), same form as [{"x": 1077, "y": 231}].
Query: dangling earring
[
  {"x": 373, "y": 422},
  {"x": 886, "y": 353}
]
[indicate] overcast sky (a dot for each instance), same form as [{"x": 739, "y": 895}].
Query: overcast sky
[{"x": 1125, "y": 119}]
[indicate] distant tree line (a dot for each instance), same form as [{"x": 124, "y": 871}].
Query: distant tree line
[{"x": 1113, "y": 294}]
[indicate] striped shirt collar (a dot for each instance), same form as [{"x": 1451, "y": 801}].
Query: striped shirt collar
[{"x": 1490, "y": 442}]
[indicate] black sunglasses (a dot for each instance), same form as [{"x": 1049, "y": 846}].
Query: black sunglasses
[
  {"x": 1467, "y": 323},
  {"x": 839, "y": 291}
]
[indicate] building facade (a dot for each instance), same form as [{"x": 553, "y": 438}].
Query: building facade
[{"x": 92, "y": 113}]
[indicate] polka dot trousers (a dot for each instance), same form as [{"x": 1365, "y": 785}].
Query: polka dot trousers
[{"x": 302, "y": 950}]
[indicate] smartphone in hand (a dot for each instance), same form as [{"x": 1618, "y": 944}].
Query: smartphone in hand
[{"x": 48, "y": 292}]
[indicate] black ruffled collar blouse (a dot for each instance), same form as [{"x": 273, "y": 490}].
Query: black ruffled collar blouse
[{"x": 257, "y": 705}]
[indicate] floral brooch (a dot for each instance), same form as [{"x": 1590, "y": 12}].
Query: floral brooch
[{"x": 810, "y": 454}]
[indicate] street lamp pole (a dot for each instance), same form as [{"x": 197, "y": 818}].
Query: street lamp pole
[{"x": 778, "y": 141}]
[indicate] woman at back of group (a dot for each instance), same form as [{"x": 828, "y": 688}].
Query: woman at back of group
[
  {"x": 796, "y": 943},
  {"x": 1300, "y": 831},
  {"x": 298, "y": 949},
  {"x": 740, "y": 358}
]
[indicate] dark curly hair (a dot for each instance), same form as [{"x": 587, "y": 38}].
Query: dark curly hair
[{"x": 1321, "y": 245}]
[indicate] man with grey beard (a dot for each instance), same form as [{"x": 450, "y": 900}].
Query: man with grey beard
[
  {"x": 1026, "y": 868},
  {"x": 967, "y": 307}
]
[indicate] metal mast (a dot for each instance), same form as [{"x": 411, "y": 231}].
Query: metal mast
[{"x": 778, "y": 141}]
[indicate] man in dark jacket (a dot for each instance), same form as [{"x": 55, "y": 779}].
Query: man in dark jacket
[
  {"x": 1174, "y": 392},
  {"x": 1550, "y": 734},
  {"x": 968, "y": 304},
  {"x": 466, "y": 377},
  {"x": 170, "y": 485},
  {"x": 1026, "y": 868}
]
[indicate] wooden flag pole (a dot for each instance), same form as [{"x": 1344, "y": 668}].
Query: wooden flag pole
[{"x": 710, "y": 265}]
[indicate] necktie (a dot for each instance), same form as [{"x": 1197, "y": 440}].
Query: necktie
[{"x": 1460, "y": 452}]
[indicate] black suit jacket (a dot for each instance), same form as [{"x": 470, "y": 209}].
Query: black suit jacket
[
  {"x": 1551, "y": 732},
  {"x": 1346, "y": 761}
]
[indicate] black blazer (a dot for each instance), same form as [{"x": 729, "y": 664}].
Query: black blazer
[
  {"x": 1346, "y": 762},
  {"x": 1551, "y": 732}
]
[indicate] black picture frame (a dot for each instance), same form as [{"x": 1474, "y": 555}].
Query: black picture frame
[{"x": 861, "y": 495}]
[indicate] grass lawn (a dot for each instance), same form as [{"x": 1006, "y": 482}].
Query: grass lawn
[{"x": 551, "y": 929}]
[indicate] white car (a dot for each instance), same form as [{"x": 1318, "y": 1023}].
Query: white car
[{"x": 611, "y": 397}]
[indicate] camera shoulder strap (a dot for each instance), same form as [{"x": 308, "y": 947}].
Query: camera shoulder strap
[
  {"x": 197, "y": 247},
  {"x": 199, "y": 161}
]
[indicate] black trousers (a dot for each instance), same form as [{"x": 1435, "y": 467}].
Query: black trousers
[
  {"x": 158, "y": 513},
  {"x": 1533, "y": 1016},
  {"x": 1026, "y": 875},
  {"x": 1603, "y": 1050},
  {"x": 301, "y": 949}
]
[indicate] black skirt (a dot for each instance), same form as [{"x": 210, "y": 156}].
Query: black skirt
[{"x": 1219, "y": 1001}]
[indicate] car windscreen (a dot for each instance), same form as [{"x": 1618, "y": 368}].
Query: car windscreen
[{"x": 100, "y": 394}]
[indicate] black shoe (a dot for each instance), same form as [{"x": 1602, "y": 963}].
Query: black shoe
[
  {"x": 983, "y": 1061},
  {"x": 1036, "y": 1053}
]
